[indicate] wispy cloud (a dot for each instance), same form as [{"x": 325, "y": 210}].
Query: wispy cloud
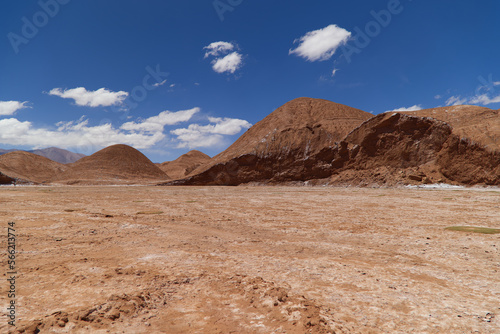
[
  {"x": 456, "y": 100},
  {"x": 10, "y": 107},
  {"x": 321, "y": 44},
  {"x": 98, "y": 98},
  {"x": 484, "y": 99},
  {"x": 158, "y": 84}
]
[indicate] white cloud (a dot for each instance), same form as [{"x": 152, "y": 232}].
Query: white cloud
[
  {"x": 172, "y": 86},
  {"x": 335, "y": 70},
  {"x": 101, "y": 97},
  {"x": 210, "y": 135},
  {"x": 412, "y": 108},
  {"x": 321, "y": 44},
  {"x": 216, "y": 49},
  {"x": 74, "y": 134},
  {"x": 225, "y": 59},
  {"x": 229, "y": 63},
  {"x": 158, "y": 84},
  {"x": 157, "y": 123},
  {"x": 455, "y": 101},
  {"x": 484, "y": 99},
  {"x": 496, "y": 83},
  {"x": 10, "y": 107},
  {"x": 227, "y": 126},
  {"x": 437, "y": 97}
]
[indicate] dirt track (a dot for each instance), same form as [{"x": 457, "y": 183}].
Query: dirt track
[{"x": 253, "y": 260}]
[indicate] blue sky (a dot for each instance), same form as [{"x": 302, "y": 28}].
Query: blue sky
[{"x": 170, "y": 76}]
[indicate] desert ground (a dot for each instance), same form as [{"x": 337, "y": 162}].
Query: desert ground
[{"x": 145, "y": 259}]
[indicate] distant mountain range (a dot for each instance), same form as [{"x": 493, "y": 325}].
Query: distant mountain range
[{"x": 52, "y": 153}]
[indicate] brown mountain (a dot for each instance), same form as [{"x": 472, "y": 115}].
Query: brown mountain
[
  {"x": 115, "y": 164},
  {"x": 301, "y": 141},
  {"x": 277, "y": 146},
  {"x": 185, "y": 164},
  {"x": 29, "y": 167},
  {"x": 480, "y": 124}
]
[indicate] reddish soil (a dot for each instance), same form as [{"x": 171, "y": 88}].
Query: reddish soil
[{"x": 252, "y": 260}]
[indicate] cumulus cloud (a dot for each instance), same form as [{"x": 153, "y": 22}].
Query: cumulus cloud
[
  {"x": 455, "y": 101},
  {"x": 79, "y": 134},
  {"x": 10, "y": 107},
  {"x": 321, "y": 44},
  {"x": 484, "y": 99},
  {"x": 157, "y": 123},
  {"x": 216, "y": 49},
  {"x": 210, "y": 135},
  {"x": 141, "y": 134},
  {"x": 72, "y": 134},
  {"x": 229, "y": 63},
  {"x": 412, "y": 108},
  {"x": 225, "y": 60},
  {"x": 98, "y": 98}
]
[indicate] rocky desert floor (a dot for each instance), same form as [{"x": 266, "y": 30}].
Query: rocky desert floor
[{"x": 142, "y": 259}]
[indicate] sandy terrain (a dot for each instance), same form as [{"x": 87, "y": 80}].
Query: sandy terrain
[{"x": 252, "y": 260}]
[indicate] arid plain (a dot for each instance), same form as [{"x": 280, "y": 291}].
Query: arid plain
[{"x": 145, "y": 259}]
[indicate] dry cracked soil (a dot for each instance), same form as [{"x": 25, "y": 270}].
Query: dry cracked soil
[{"x": 125, "y": 259}]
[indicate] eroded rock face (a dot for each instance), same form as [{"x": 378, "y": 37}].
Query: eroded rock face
[
  {"x": 391, "y": 148},
  {"x": 467, "y": 162},
  {"x": 4, "y": 179}
]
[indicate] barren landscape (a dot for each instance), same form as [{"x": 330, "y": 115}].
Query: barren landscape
[{"x": 145, "y": 259}]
